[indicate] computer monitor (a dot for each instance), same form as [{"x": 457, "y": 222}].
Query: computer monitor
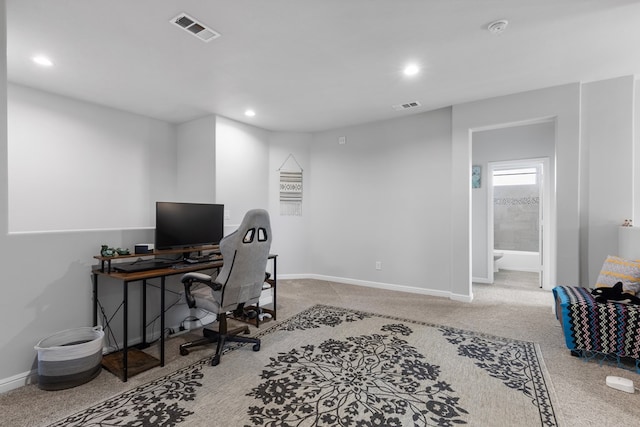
[{"x": 184, "y": 225}]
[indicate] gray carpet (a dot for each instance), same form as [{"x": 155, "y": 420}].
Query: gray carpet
[
  {"x": 331, "y": 366},
  {"x": 514, "y": 312}
]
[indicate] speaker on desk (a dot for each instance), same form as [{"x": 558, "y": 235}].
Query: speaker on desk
[{"x": 143, "y": 248}]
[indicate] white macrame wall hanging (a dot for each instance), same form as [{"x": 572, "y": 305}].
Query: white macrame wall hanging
[{"x": 290, "y": 187}]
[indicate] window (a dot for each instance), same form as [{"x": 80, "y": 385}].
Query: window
[{"x": 523, "y": 176}]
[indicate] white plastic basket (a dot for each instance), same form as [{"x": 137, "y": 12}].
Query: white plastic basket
[{"x": 69, "y": 358}]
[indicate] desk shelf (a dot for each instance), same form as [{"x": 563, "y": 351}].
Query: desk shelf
[
  {"x": 137, "y": 361},
  {"x": 106, "y": 260}
]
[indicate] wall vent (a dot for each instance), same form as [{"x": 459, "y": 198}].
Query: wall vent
[
  {"x": 195, "y": 28},
  {"x": 406, "y": 106}
]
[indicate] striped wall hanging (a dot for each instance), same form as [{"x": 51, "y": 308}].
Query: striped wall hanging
[{"x": 290, "y": 187}]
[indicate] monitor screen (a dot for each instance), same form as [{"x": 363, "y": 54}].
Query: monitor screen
[{"x": 183, "y": 225}]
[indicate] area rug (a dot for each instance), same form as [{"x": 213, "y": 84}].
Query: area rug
[{"x": 331, "y": 366}]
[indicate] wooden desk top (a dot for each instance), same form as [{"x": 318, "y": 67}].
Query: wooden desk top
[{"x": 150, "y": 274}]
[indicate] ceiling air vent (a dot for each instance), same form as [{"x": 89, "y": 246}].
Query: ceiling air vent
[
  {"x": 406, "y": 106},
  {"x": 195, "y": 28}
]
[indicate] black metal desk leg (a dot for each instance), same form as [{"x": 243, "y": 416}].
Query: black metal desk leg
[
  {"x": 95, "y": 299},
  {"x": 162, "y": 321},
  {"x": 125, "y": 324},
  {"x": 275, "y": 286},
  {"x": 144, "y": 314}
]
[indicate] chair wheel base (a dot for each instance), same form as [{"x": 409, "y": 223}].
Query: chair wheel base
[{"x": 222, "y": 336}]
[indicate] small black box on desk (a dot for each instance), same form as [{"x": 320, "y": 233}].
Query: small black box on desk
[{"x": 143, "y": 248}]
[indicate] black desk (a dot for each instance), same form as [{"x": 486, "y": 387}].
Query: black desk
[{"x": 120, "y": 360}]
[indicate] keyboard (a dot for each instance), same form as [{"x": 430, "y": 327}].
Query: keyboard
[{"x": 145, "y": 265}]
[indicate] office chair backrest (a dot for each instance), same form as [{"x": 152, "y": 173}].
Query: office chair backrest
[{"x": 245, "y": 253}]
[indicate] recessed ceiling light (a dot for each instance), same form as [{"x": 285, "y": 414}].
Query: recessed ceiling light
[
  {"x": 249, "y": 113},
  {"x": 42, "y": 60},
  {"x": 411, "y": 70}
]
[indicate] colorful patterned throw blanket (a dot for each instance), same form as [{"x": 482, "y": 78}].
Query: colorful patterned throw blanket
[{"x": 607, "y": 328}]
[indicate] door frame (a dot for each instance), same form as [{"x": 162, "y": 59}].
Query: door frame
[{"x": 546, "y": 223}]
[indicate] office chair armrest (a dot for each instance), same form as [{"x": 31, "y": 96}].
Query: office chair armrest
[{"x": 190, "y": 278}]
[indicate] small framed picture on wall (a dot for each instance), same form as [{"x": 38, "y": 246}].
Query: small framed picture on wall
[{"x": 475, "y": 176}]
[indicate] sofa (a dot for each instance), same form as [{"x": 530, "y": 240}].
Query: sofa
[{"x": 604, "y": 331}]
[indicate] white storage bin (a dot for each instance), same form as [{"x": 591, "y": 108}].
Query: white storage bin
[{"x": 69, "y": 358}]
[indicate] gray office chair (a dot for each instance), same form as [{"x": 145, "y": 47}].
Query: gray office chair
[{"x": 237, "y": 285}]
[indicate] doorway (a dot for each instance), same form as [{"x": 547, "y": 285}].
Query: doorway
[
  {"x": 518, "y": 207},
  {"x": 509, "y": 147}
]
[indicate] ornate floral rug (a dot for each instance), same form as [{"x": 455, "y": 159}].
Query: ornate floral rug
[{"x": 330, "y": 366}]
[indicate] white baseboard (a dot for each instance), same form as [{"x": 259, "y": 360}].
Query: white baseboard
[
  {"x": 481, "y": 280},
  {"x": 525, "y": 269},
  {"x": 294, "y": 276},
  {"x": 17, "y": 381},
  {"x": 388, "y": 286},
  {"x": 461, "y": 298}
]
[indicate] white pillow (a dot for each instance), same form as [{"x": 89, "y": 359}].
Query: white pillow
[{"x": 616, "y": 269}]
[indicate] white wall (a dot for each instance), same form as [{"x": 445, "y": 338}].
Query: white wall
[
  {"x": 46, "y": 281},
  {"x": 607, "y": 128},
  {"x": 242, "y": 162},
  {"x": 248, "y": 160},
  {"x": 196, "y": 161},
  {"x": 46, "y": 274},
  {"x": 383, "y": 196},
  {"x": 291, "y": 233},
  {"x": 636, "y": 155},
  {"x": 511, "y": 143},
  {"x": 80, "y": 166}
]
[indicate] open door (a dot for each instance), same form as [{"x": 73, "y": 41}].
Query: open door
[{"x": 518, "y": 209}]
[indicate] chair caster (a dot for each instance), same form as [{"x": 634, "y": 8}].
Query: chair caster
[
  {"x": 215, "y": 360},
  {"x": 256, "y": 347}
]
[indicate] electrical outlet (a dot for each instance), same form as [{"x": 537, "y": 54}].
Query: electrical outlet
[{"x": 378, "y": 265}]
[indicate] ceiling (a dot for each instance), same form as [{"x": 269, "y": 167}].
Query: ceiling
[{"x": 311, "y": 65}]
